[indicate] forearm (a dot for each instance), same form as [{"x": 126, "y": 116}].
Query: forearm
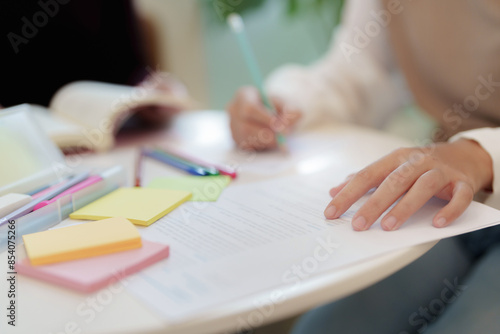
[{"x": 363, "y": 87}]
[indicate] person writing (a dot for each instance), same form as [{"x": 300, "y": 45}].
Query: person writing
[
  {"x": 443, "y": 56},
  {"x": 366, "y": 84},
  {"x": 49, "y": 44}
]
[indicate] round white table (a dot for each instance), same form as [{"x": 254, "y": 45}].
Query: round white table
[{"x": 45, "y": 308}]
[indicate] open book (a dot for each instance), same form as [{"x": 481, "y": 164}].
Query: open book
[{"x": 87, "y": 114}]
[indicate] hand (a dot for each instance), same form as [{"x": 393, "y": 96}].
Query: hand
[
  {"x": 156, "y": 116},
  {"x": 153, "y": 116},
  {"x": 253, "y": 127},
  {"x": 451, "y": 171}
]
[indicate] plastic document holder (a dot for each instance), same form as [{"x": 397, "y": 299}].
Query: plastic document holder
[{"x": 22, "y": 139}]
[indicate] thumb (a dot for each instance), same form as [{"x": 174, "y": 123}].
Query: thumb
[
  {"x": 287, "y": 116},
  {"x": 290, "y": 118}
]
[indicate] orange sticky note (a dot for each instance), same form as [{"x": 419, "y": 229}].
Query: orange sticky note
[{"x": 82, "y": 241}]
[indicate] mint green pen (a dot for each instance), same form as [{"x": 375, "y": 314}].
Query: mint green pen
[{"x": 236, "y": 24}]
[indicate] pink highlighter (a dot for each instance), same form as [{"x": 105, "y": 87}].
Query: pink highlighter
[{"x": 77, "y": 187}]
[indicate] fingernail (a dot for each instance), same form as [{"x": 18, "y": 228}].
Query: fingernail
[
  {"x": 330, "y": 212},
  {"x": 440, "y": 222},
  {"x": 390, "y": 223},
  {"x": 359, "y": 223}
]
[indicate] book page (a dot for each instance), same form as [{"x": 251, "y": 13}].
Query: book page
[{"x": 270, "y": 235}]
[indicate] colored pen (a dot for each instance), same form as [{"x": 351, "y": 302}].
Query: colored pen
[
  {"x": 38, "y": 190},
  {"x": 238, "y": 28},
  {"x": 222, "y": 170},
  {"x": 138, "y": 168},
  {"x": 174, "y": 162},
  {"x": 82, "y": 185},
  {"x": 210, "y": 170},
  {"x": 30, "y": 206},
  {"x": 77, "y": 187},
  {"x": 50, "y": 188}
]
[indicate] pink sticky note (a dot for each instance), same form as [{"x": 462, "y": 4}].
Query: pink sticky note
[{"x": 91, "y": 274}]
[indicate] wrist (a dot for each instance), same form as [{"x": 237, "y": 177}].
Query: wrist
[{"x": 478, "y": 163}]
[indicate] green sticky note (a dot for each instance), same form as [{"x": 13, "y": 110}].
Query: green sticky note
[{"x": 203, "y": 188}]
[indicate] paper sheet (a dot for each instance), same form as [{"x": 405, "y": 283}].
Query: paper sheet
[
  {"x": 142, "y": 206},
  {"x": 203, "y": 188},
  {"x": 300, "y": 147},
  {"x": 267, "y": 235}
]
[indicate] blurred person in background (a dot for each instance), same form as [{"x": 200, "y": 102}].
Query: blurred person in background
[{"x": 50, "y": 43}]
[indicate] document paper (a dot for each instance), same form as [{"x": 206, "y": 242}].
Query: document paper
[{"x": 269, "y": 235}]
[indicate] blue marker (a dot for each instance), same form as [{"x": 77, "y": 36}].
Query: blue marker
[{"x": 199, "y": 171}]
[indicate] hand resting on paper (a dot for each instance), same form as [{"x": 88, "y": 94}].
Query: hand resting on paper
[
  {"x": 253, "y": 127},
  {"x": 451, "y": 171}
]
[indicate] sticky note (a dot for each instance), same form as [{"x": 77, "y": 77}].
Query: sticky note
[
  {"x": 142, "y": 206},
  {"x": 81, "y": 241},
  {"x": 11, "y": 202},
  {"x": 203, "y": 188},
  {"x": 88, "y": 275}
]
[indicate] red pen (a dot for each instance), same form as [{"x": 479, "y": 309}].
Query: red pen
[{"x": 138, "y": 168}]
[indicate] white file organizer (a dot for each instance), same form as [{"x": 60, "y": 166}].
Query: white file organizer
[{"x": 49, "y": 167}]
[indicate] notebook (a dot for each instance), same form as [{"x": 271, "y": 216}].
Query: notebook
[
  {"x": 88, "y": 275},
  {"x": 142, "y": 206},
  {"x": 81, "y": 241}
]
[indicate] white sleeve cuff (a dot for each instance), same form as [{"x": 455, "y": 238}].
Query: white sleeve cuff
[{"x": 489, "y": 139}]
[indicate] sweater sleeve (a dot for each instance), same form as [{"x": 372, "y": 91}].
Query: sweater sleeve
[
  {"x": 356, "y": 81},
  {"x": 489, "y": 139}
]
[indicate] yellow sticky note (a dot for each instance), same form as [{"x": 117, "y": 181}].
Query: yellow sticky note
[
  {"x": 203, "y": 188},
  {"x": 142, "y": 206},
  {"x": 82, "y": 241}
]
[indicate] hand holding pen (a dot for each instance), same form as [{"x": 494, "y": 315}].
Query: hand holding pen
[
  {"x": 252, "y": 126},
  {"x": 257, "y": 122}
]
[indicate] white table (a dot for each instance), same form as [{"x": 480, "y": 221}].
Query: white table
[{"x": 44, "y": 308}]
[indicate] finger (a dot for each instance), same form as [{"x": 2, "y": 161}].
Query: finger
[
  {"x": 285, "y": 118},
  {"x": 290, "y": 119},
  {"x": 462, "y": 197},
  {"x": 335, "y": 190},
  {"x": 251, "y": 108},
  {"x": 278, "y": 104},
  {"x": 250, "y": 136},
  {"x": 361, "y": 183},
  {"x": 395, "y": 185},
  {"x": 420, "y": 193}
]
